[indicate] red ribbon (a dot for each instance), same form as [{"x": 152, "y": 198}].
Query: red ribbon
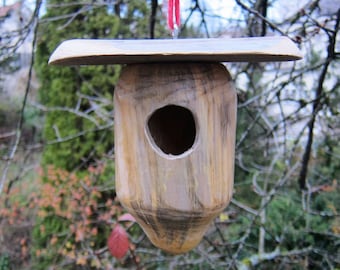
[{"x": 173, "y": 13}]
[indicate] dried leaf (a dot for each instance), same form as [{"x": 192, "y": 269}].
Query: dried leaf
[
  {"x": 118, "y": 242},
  {"x": 224, "y": 217},
  {"x": 81, "y": 261},
  {"x": 80, "y": 234}
]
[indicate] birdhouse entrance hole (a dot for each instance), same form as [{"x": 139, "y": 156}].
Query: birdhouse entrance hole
[{"x": 172, "y": 129}]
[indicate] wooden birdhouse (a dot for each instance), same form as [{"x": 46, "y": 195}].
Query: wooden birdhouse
[{"x": 175, "y": 120}]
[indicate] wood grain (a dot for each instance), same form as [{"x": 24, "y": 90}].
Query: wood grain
[
  {"x": 97, "y": 52},
  {"x": 175, "y": 196}
]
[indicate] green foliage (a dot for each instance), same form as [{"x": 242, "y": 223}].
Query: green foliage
[
  {"x": 328, "y": 163},
  {"x": 292, "y": 222},
  {"x": 4, "y": 262},
  {"x": 62, "y": 88},
  {"x": 8, "y": 115},
  {"x": 8, "y": 64},
  {"x": 296, "y": 229},
  {"x": 285, "y": 220}
]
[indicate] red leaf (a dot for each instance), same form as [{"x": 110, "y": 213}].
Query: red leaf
[
  {"x": 118, "y": 242},
  {"x": 126, "y": 217}
]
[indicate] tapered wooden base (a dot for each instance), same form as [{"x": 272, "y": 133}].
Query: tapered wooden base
[{"x": 174, "y": 139}]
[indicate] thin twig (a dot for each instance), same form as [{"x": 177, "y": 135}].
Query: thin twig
[
  {"x": 317, "y": 105},
  {"x": 22, "y": 111},
  {"x": 259, "y": 15}
]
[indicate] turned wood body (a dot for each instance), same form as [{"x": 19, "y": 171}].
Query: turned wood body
[{"x": 174, "y": 139}]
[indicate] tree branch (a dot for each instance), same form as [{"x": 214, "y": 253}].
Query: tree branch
[
  {"x": 35, "y": 24},
  {"x": 317, "y": 105},
  {"x": 259, "y": 15},
  {"x": 154, "y": 6},
  {"x": 255, "y": 260}
]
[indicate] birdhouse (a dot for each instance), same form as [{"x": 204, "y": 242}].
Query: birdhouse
[{"x": 175, "y": 120}]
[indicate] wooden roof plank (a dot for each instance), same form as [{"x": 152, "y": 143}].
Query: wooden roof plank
[{"x": 106, "y": 51}]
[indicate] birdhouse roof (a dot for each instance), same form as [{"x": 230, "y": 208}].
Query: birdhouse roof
[{"x": 105, "y": 51}]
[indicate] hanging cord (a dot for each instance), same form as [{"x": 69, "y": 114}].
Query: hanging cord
[{"x": 174, "y": 18}]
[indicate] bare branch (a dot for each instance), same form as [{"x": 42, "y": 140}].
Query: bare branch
[
  {"x": 259, "y": 15},
  {"x": 154, "y": 6},
  {"x": 257, "y": 259},
  {"x": 317, "y": 105},
  {"x": 28, "y": 86}
]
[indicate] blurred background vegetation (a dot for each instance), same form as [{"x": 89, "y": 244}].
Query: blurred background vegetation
[{"x": 58, "y": 204}]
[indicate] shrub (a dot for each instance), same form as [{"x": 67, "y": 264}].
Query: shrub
[{"x": 76, "y": 213}]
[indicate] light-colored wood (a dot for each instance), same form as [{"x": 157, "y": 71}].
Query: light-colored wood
[
  {"x": 96, "y": 52},
  {"x": 175, "y": 191}
]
